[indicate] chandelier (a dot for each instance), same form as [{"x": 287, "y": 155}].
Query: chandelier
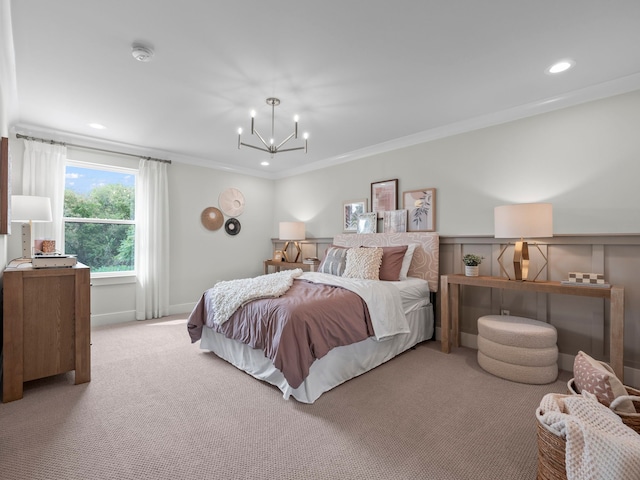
[{"x": 270, "y": 146}]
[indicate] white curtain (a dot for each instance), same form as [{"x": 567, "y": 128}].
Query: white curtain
[
  {"x": 43, "y": 176},
  {"x": 152, "y": 240}
]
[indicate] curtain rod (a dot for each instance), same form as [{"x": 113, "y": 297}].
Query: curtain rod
[{"x": 54, "y": 142}]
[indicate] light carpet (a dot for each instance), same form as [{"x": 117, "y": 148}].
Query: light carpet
[{"x": 158, "y": 407}]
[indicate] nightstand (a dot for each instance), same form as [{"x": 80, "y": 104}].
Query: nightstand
[
  {"x": 46, "y": 325},
  {"x": 278, "y": 265}
]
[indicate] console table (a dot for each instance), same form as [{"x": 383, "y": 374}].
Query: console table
[{"x": 450, "y": 321}]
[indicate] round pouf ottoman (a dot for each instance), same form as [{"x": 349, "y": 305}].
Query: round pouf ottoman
[{"x": 518, "y": 349}]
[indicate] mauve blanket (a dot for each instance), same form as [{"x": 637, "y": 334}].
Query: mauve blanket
[{"x": 295, "y": 329}]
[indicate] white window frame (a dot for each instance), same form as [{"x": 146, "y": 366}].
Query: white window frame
[{"x": 127, "y": 276}]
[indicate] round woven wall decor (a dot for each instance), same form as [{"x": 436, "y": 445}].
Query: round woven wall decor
[
  {"x": 211, "y": 218},
  {"x": 231, "y": 202}
]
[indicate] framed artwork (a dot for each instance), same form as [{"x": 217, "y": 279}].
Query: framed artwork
[
  {"x": 5, "y": 188},
  {"x": 384, "y": 196},
  {"x": 350, "y": 212},
  {"x": 395, "y": 221},
  {"x": 367, "y": 223},
  {"x": 421, "y": 208}
]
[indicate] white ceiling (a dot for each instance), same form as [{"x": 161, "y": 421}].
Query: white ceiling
[{"x": 364, "y": 75}]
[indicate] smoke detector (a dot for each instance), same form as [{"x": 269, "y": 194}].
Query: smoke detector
[{"x": 141, "y": 53}]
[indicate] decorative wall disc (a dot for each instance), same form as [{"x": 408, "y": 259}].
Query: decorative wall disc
[
  {"x": 211, "y": 218},
  {"x": 231, "y": 202},
  {"x": 232, "y": 226}
]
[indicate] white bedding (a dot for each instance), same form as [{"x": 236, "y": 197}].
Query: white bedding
[
  {"x": 341, "y": 363},
  {"x": 382, "y": 299}
]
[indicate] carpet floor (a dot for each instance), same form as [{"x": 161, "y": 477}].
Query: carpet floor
[{"x": 158, "y": 407}]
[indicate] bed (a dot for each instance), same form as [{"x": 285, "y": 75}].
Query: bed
[{"x": 398, "y": 315}]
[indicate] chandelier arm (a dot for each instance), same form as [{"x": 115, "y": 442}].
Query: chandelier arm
[
  {"x": 291, "y": 149},
  {"x": 262, "y": 139},
  {"x": 253, "y": 146},
  {"x": 285, "y": 140}
]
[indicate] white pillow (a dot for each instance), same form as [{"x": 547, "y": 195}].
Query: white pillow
[
  {"x": 406, "y": 262},
  {"x": 363, "y": 263}
]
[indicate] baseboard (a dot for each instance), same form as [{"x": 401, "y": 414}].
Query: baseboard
[
  {"x": 111, "y": 318},
  {"x": 565, "y": 361},
  {"x": 186, "y": 308},
  {"x": 130, "y": 315}
]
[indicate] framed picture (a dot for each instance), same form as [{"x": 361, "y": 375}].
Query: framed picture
[
  {"x": 350, "y": 212},
  {"x": 5, "y": 188},
  {"x": 395, "y": 221},
  {"x": 384, "y": 196},
  {"x": 421, "y": 207},
  {"x": 367, "y": 223}
]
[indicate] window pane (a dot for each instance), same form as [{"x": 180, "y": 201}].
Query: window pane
[
  {"x": 104, "y": 247},
  {"x": 93, "y": 193}
]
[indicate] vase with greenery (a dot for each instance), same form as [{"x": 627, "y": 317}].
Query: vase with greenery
[{"x": 471, "y": 264}]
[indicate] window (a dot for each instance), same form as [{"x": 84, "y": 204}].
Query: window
[{"x": 99, "y": 223}]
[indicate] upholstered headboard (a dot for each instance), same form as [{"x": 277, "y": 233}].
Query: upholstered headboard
[{"x": 425, "y": 257}]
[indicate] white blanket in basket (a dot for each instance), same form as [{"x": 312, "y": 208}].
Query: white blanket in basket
[{"x": 598, "y": 445}]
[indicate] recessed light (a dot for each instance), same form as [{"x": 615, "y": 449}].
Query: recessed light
[
  {"x": 97, "y": 126},
  {"x": 264, "y": 163},
  {"x": 561, "y": 66}
]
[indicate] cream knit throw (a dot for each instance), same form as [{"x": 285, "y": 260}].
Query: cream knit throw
[
  {"x": 599, "y": 446},
  {"x": 226, "y": 297}
]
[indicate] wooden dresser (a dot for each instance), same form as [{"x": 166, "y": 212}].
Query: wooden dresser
[{"x": 46, "y": 325}]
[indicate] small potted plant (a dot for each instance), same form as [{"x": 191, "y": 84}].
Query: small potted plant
[{"x": 471, "y": 264}]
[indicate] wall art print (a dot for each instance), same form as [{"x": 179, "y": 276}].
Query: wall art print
[
  {"x": 421, "y": 207},
  {"x": 395, "y": 221},
  {"x": 384, "y": 196},
  {"x": 367, "y": 223},
  {"x": 350, "y": 211},
  {"x": 5, "y": 187}
]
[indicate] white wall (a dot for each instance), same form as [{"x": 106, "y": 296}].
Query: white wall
[
  {"x": 583, "y": 159},
  {"x": 199, "y": 257}
]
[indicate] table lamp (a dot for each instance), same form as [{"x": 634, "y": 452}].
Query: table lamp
[
  {"x": 526, "y": 220},
  {"x": 29, "y": 209},
  {"x": 291, "y": 232}
]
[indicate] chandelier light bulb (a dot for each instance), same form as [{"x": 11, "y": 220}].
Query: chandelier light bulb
[
  {"x": 296, "y": 118},
  {"x": 305, "y": 135},
  {"x": 253, "y": 114},
  {"x": 240, "y": 131}
]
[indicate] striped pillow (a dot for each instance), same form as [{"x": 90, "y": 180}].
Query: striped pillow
[{"x": 334, "y": 261}]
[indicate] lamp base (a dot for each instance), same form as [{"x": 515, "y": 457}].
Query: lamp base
[
  {"x": 286, "y": 255},
  {"x": 521, "y": 261},
  {"x": 27, "y": 244}
]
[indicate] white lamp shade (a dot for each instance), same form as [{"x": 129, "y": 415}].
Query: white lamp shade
[
  {"x": 525, "y": 220},
  {"x": 28, "y": 208},
  {"x": 292, "y": 231}
]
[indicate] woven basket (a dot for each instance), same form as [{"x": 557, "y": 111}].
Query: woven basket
[
  {"x": 551, "y": 454},
  {"x": 631, "y": 420}
]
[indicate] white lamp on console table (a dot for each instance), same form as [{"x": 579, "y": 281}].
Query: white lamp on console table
[
  {"x": 29, "y": 209},
  {"x": 526, "y": 220},
  {"x": 292, "y": 232}
]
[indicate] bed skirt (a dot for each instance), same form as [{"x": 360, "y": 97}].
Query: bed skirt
[{"x": 338, "y": 366}]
